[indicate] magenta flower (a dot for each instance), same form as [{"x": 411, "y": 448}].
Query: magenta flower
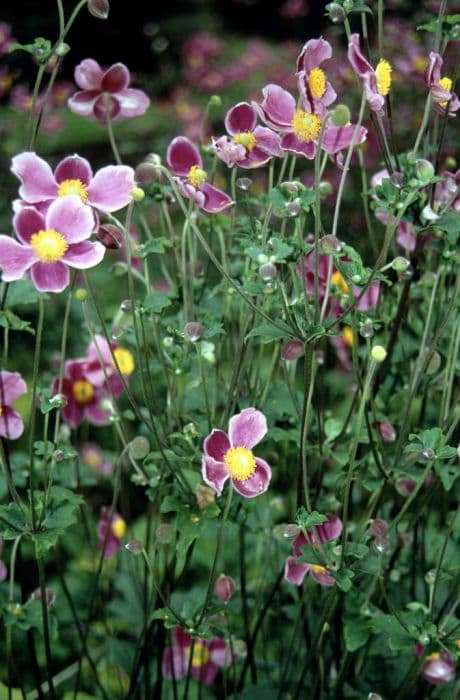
[
  {"x": 105, "y": 94},
  {"x": 3, "y": 567},
  {"x": 250, "y": 146},
  {"x": 12, "y": 385},
  {"x": 98, "y": 373},
  {"x": 376, "y": 82},
  {"x": 207, "y": 658},
  {"x": 92, "y": 456},
  {"x": 50, "y": 244},
  {"x": 108, "y": 190},
  {"x": 230, "y": 456},
  {"x": 111, "y": 529},
  {"x": 301, "y": 128},
  {"x": 440, "y": 88},
  {"x": 438, "y": 668},
  {"x": 6, "y": 39},
  {"x": 185, "y": 162},
  {"x": 315, "y": 89},
  {"x": 295, "y": 572}
]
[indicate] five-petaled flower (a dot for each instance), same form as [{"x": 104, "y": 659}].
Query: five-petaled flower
[
  {"x": 111, "y": 529},
  {"x": 12, "y": 385},
  {"x": 295, "y": 572},
  {"x": 50, "y": 244},
  {"x": 105, "y": 94},
  {"x": 184, "y": 161},
  {"x": 440, "y": 88},
  {"x": 313, "y": 84},
  {"x": 377, "y": 82},
  {"x": 204, "y": 660},
  {"x": 231, "y": 457}
]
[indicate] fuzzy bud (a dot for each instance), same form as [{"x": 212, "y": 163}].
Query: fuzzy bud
[
  {"x": 110, "y": 236},
  {"x": 378, "y": 353},
  {"x": 99, "y": 8},
  {"x": 381, "y": 544},
  {"x": 134, "y": 547},
  {"x": 341, "y": 115},
  {"x": 138, "y": 194},
  {"x": 424, "y": 169},
  {"x": 62, "y": 49},
  {"x": 205, "y": 495},
  {"x": 224, "y": 588},
  {"x": 400, "y": 264},
  {"x": 193, "y": 331},
  {"x": 244, "y": 183},
  {"x": 80, "y": 294},
  {"x": 330, "y": 244},
  {"x": 145, "y": 173},
  {"x": 378, "y": 527},
  {"x": 325, "y": 188},
  {"x": 139, "y": 447},
  {"x": 126, "y": 306},
  {"x": 336, "y": 13},
  {"x": 293, "y": 209},
  {"x": 215, "y": 101},
  {"x": 405, "y": 486},
  {"x": 286, "y": 531},
  {"x": 290, "y": 187},
  {"x": 387, "y": 431},
  {"x": 268, "y": 271},
  {"x": 292, "y": 350},
  {"x": 58, "y": 401}
]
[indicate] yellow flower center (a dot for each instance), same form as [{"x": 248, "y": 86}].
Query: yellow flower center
[
  {"x": 92, "y": 459},
  {"x": 347, "y": 335},
  {"x": 50, "y": 246},
  {"x": 317, "y": 83},
  {"x": 337, "y": 279},
  {"x": 318, "y": 569},
  {"x": 200, "y": 656},
  {"x": 197, "y": 176},
  {"x": 306, "y": 126},
  {"x": 1, "y": 409},
  {"x": 240, "y": 463},
  {"x": 246, "y": 139},
  {"x": 82, "y": 391},
  {"x": 433, "y": 656},
  {"x": 383, "y": 76},
  {"x": 73, "y": 187},
  {"x": 118, "y": 528},
  {"x": 124, "y": 361},
  {"x": 445, "y": 84}
]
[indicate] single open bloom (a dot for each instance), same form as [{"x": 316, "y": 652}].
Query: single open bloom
[
  {"x": 105, "y": 94},
  {"x": 249, "y": 145},
  {"x": 440, "y": 88},
  {"x": 301, "y": 128},
  {"x": 50, "y": 244},
  {"x": 110, "y": 531},
  {"x": 231, "y": 457},
  {"x": 184, "y": 160},
  {"x": 12, "y": 385},
  {"x": 313, "y": 84},
  {"x": 108, "y": 190},
  {"x": 107, "y": 363},
  {"x": 206, "y": 659},
  {"x": 295, "y": 572},
  {"x": 377, "y": 82},
  {"x": 438, "y": 668}
]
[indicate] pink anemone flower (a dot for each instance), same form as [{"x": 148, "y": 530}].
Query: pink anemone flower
[
  {"x": 105, "y": 94},
  {"x": 440, "y": 88},
  {"x": 295, "y": 572},
  {"x": 100, "y": 365},
  {"x": 205, "y": 661},
  {"x": 438, "y": 668},
  {"x": 50, "y": 244},
  {"x": 231, "y": 457},
  {"x": 313, "y": 85},
  {"x": 185, "y": 162},
  {"x": 376, "y": 82},
  {"x": 92, "y": 456},
  {"x": 111, "y": 529},
  {"x": 301, "y": 128},
  {"x": 108, "y": 190},
  {"x": 249, "y": 145},
  {"x": 12, "y": 385}
]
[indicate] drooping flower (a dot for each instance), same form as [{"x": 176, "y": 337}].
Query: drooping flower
[
  {"x": 111, "y": 529},
  {"x": 50, "y": 244},
  {"x": 301, "y": 128},
  {"x": 184, "y": 160},
  {"x": 108, "y": 190},
  {"x": 249, "y": 145},
  {"x": 295, "y": 571},
  {"x": 231, "y": 457},
  {"x": 105, "y": 93},
  {"x": 314, "y": 87},
  {"x": 440, "y": 88},
  {"x": 224, "y": 588},
  {"x": 377, "y": 82},
  {"x": 438, "y": 668},
  {"x": 12, "y": 385},
  {"x": 207, "y": 657}
]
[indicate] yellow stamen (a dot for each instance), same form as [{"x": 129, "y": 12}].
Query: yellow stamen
[
  {"x": 246, "y": 139},
  {"x": 317, "y": 83},
  {"x": 383, "y": 76},
  {"x": 73, "y": 187},
  {"x": 1, "y": 409},
  {"x": 124, "y": 361},
  {"x": 306, "y": 126},
  {"x": 118, "y": 528},
  {"x": 337, "y": 279},
  {"x": 92, "y": 459},
  {"x": 433, "y": 656},
  {"x": 82, "y": 391},
  {"x": 200, "y": 656},
  {"x": 197, "y": 176},
  {"x": 318, "y": 569},
  {"x": 347, "y": 335},
  {"x": 445, "y": 84},
  {"x": 240, "y": 463},
  {"x": 50, "y": 245}
]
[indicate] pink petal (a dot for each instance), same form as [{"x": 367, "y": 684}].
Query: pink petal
[
  {"x": 106, "y": 106},
  {"x": 15, "y": 259},
  {"x": 255, "y": 159},
  {"x": 74, "y": 168},
  {"x": 229, "y": 152},
  {"x": 3, "y": 571},
  {"x": 241, "y": 117},
  {"x": 94, "y": 412},
  {"x": 370, "y": 297},
  {"x": 174, "y": 663},
  {"x": 205, "y": 674},
  {"x": 109, "y": 546},
  {"x": 26, "y": 222},
  {"x": 89, "y": 75},
  {"x": 293, "y": 572},
  {"x": 215, "y": 200},
  {"x": 50, "y": 277},
  {"x": 268, "y": 141},
  {"x": 38, "y": 183},
  {"x": 278, "y": 107},
  {"x": 133, "y": 103},
  {"x": 216, "y": 445},
  {"x": 187, "y": 190},
  {"x": 247, "y": 428},
  {"x": 360, "y": 65},
  {"x": 11, "y": 424},
  {"x": 182, "y": 155},
  {"x": 257, "y": 484},
  {"x": 73, "y": 413},
  {"x": 12, "y": 385},
  {"x": 375, "y": 100},
  {"x": 330, "y": 530},
  {"x": 82, "y": 103},
  {"x": 220, "y": 653},
  {"x": 336, "y": 138},
  {"x": 214, "y": 473},
  {"x": 297, "y": 544},
  {"x": 433, "y": 70},
  {"x": 84, "y": 255},
  {"x": 111, "y": 188},
  {"x": 291, "y": 143},
  {"x": 313, "y": 54},
  {"x": 116, "y": 78},
  {"x": 322, "y": 577},
  {"x": 71, "y": 218}
]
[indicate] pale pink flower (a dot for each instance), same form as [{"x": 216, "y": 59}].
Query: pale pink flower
[
  {"x": 376, "y": 81},
  {"x": 440, "y": 88},
  {"x": 314, "y": 87},
  {"x": 12, "y": 385}
]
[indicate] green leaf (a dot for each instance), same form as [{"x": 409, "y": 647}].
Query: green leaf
[
  {"x": 446, "y": 452},
  {"x": 307, "y": 520},
  {"x": 307, "y": 198},
  {"x": 450, "y": 223},
  {"x": 20, "y": 293},
  {"x": 356, "y": 633},
  {"x": 171, "y": 504},
  {"x": 277, "y": 198},
  {"x": 13, "y": 521},
  {"x": 269, "y": 333},
  {"x": 9, "y": 320},
  {"x": 154, "y": 245},
  {"x": 281, "y": 250},
  {"x": 332, "y": 428},
  {"x": 59, "y": 515},
  {"x": 155, "y": 303},
  {"x": 448, "y": 473},
  {"x": 356, "y": 550},
  {"x": 343, "y": 578}
]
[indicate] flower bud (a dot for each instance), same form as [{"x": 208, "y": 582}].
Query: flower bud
[
  {"x": 374, "y": 696},
  {"x": 224, "y": 588},
  {"x": 397, "y": 179},
  {"x": 244, "y": 183},
  {"x": 450, "y": 163},
  {"x": 428, "y": 453},
  {"x": 336, "y": 13},
  {"x": 164, "y": 534},
  {"x": 330, "y": 244},
  {"x": 268, "y": 271},
  {"x": 138, "y": 194},
  {"x": 193, "y": 331},
  {"x": 379, "y": 527},
  {"x": 290, "y": 187},
  {"x": 58, "y": 401},
  {"x": 381, "y": 544},
  {"x": 286, "y": 531},
  {"x": 378, "y": 353},
  {"x": 292, "y": 350},
  {"x": 134, "y": 547},
  {"x": 145, "y": 173},
  {"x": 405, "y": 486},
  {"x": 387, "y": 431},
  {"x": 62, "y": 49},
  {"x": 325, "y": 188},
  {"x": 80, "y": 294},
  {"x": 428, "y": 215},
  {"x": 205, "y": 495},
  {"x": 341, "y": 115},
  {"x": 366, "y": 329},
  {"x": 430, "y": 577},
  {"x": 58, "y": 455},
  {"x": 215, "y": 101},
  {"x": 293, "y": 209},
  {"x": 50, "y": 596},
  {"x": 400, "y": 264},
  {"x": 110, "y": 236},
  {"x": 424, "y": 170},
  {"x": 139, "y": 447},
  {"x": 126, "y": 306},
  {"x": 99, "y": 8}
]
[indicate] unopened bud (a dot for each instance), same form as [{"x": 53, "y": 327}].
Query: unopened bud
[
  {"x": 293, "y": 209},
  {"x": 110, "y": 236},
  {"x": 58, "y": 401},
  {"x": 134, "y": 547},
  {"x": 424, "y": 170},
  {"x": 387, "y": 431},
  {"x": 215, "y": 101},
  {"x": 450, "y": 163},
  {"x": 244, "y": 183},
  {"x": 430, "y": 577},
  {"x": 205, "y": 495},
  {"x": 99, "y": 8},
  {"x": 138, "y": 194},
  {"x": 139, "y": 447},
  {"x": 193, "y": 331},
  {"x": 397, "y": 179},
  {"x": 268, "y": 271},
  {"x": 405, "y": 486},
  {"x": 378, "y": 353},
  {"x": 330, "y": 244},
  {"x": 62, "y": 49},
  {"x": 366, "y": 329},
  {"x": 164, "y": 534},
  {"x": 340, "y": 115},
  {"x": 325, "y": 188},
  {"x": 190, "y": 429},
  {"x": 224, "y": 588},
  {"x": 374, "y": 696},
  {"x": 126, "y": 306},
  {"x": 80, "y": 294},
  {"x": 336, "y": 13},
  {"x": 292, "y": 350},
  {"x": 50, "y": 596},
  {"x": 286, "y": 531},
  {"x": 378, "y": 527},
  {"x": 290, "y": 187},
  {"x": 58, "y": 455},
  {"x": 381, "y": 544},
  {"x": 400, "y": 264},
  {"x": 145, "y": 173},
  {"x": 428, "y": 453}
]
